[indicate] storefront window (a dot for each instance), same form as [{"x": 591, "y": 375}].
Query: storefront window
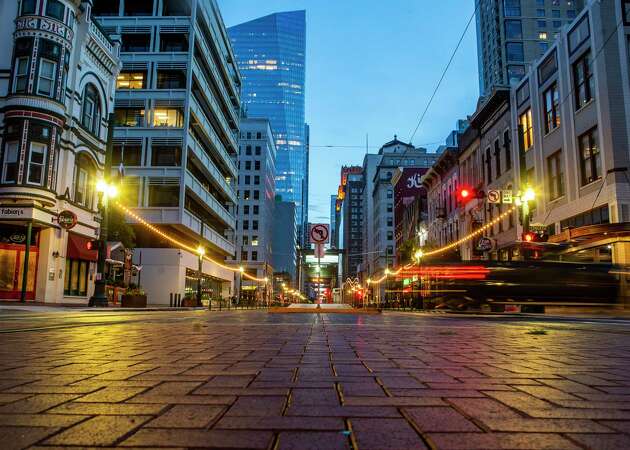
[{"x": 75, "y": 281}]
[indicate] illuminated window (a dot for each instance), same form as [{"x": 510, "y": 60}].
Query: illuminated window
[
  {"x": 542, "y": 35},
  {"x": 130, "y": 80},
  {"x": 525, "y": 121},
  {"x": 551, "y": 104},
  {"x": 168, "y": 117},
  {"x": 129, "y": 117},
  {"x": 590, "y": 158}
]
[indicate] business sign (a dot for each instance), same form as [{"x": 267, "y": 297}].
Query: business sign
[
  {"x": 494, "y": 196},
  {"x": 319, "y": 233},
  {"x": 67, "y": 219},
  {"x": 13, "y": 213},
  {"x": 506, "y": 196},
  {"x": 485, "y": 244}
]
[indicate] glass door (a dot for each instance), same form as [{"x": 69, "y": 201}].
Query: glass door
[{"x": 12, "y": 271}]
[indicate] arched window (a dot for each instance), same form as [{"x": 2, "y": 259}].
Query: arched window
[
  {"x": 84, "y": 176},
  {"x": 91, "y": 112}
]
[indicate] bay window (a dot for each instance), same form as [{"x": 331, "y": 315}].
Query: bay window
[
  {"x": 46, "y": 80},
  {"x": 9, "y": 162},
  {"x": 36, "y": 163}
]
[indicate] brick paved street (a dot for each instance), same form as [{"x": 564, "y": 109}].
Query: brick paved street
[{"x": 305, "y": 381}]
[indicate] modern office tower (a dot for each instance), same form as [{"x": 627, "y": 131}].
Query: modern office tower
[
  {"x": 256, "y": 186},
  {"x": 177, "y": 116},
  {"x": 270, "y": 52},
  {"x": 284, "y": 241},
  {"x": 511, "y": 34},
  {"x": 57, "y": 80}
]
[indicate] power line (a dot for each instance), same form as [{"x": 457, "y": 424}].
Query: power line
[
  {"x": 461, "y": 39},
  {"x": 371, "y": 147}
]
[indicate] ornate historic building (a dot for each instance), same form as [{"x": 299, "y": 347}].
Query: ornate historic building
[{"x": 57, "y": 81}]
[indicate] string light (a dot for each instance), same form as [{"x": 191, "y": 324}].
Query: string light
[
  {"x": 184, "y": 246},
  {"x": 448, "y": 247}
]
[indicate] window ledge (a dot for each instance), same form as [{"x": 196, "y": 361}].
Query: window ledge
[
  {"x": 549, "y": 133},
  {"x": 556, "y": 200},
  {"x": 584, "y": 106},
  {"x": 584, "y": 186}
]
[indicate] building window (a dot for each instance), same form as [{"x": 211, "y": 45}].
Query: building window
[
  {"x": 248, "y": 179},
  {"x": 256, "y": 179},
  {"x": 173, "y": 42},
  {"x": 36, "y": 163},
  {"x": 138, "y": 8},
  {"x": 515, "y": 73},
  {"x": 256, "y": 165},
  {"x": 547, "y": 68},
  {"x": 258, "y": 150},
  {"x": 513, "y": 29},
  {"x": 526, "y": 129},
  {"x": 583, "y": 81},
  {"x": 55, "y": 9},
  {"x": 625, "y": 7},
  {"x": 497, "y": 158},
  {"x": 254, "y": 225},
  {"x": 256, "y": 195},
  {"x": 579, "y": 34},
  {"x": 84, "y": 176},
  {"x": 76, "y": 277},
  {"x": 507, "y": 149},
  {"x": 105, "y": 8},
  {"x": 248, "y": 150},
  {"x": 130, "y": 80},
  {"x": 28, "y": 7},
  {"x": 488, "y": 166},
  {"x": 245, "y": 209},
  {"x": 127, "y": 155},
  {"x": 91, "y": 114},
  {"x": 46, "y": 80},
  {"x": 135, "y": 42},
  {"x": 9, "y": 169},
  {"x": 129, "y": 117},
  {"x": 551, "y": 104},
  {"x": 168, "y": 117},
  {"x": 248, "y": 165},
  {"x": 556, "y": 175},
  {"x": 256, "y": 209},
  {"x": 590, "y": 160},
  {"x": 514, "y": 51},
  {"x": 171, "y": 79},
  {"x": 166, "y": 156},
  {"x": 163, "y": 195},
  {"x": 21, "y": 75},
  {"x": 542, "y": 24},
  {"x": 540, "y": 12},
  {"x": 254, "y": 256},
  {"x": 512, "y": 8}
]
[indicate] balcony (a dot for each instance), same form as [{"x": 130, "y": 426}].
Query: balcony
[
  {"x": 207, "y": 129},
  {"x": 208, "y": 200},
  {"x": 196, "y": 225},
  {"x": 211, "y": 169},
  {"x": 216, "y": 108}
]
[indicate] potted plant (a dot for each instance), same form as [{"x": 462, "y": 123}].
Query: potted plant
[{"x": 134, "y": 297}]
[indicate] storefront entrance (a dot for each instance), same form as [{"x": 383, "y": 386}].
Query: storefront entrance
[{"x": 12, "y": 254}]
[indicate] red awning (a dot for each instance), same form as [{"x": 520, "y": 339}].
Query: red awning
[{"x": 77, "y": 248}]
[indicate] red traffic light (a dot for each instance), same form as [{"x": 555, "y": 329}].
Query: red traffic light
[
  {"x": 465, "y": 194},
  {"x": 92, "y": 245},
  {"x": 529, "y": 237}
]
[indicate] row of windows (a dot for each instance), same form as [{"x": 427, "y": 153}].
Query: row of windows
[
  {"x": 161, "y": 155},
  {"x": 250, "y": 135},
  {"x": 140, "y": 8},
  {"x": 254, "y": 241},
  {"x": 497, "y": 149},
  {"x": 254, "y": 225},
  {"x": 245, "y": 195},
  {"x": 248, "y": 165},
  {"x": 162, "y": 117},
  {"x": 35, "y": 168},
  {"x": 141, "y": 42},
  {"x": 53, "y": 8},
  {"x": 249, "y": 256},
  {"x": 165, "y": 79},
  {"x": 247, "y": 180},
  {"x": 248, "y": 150}
]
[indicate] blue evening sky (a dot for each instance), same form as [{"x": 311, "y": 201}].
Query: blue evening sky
[{"x": 371, "y": 66}]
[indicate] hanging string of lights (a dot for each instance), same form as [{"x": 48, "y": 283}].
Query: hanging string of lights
[
  {"x": 446, "y": 248},
  {"x": 185, "y": 246}
]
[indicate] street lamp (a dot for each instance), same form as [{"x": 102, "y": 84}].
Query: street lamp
[
  {"x": 418, "y": 255},
  {"x": 240, "y": 282},
  {"x": 105, "y": 191},
  {"x": 201, "y": 252}
]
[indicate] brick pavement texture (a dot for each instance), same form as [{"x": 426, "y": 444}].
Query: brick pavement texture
[{"x": 248, "y": 380}]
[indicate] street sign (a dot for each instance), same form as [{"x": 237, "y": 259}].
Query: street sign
[
  {"x": 319, "y": 233},
  {"x": 494, "y": 196},
  {"x": 537, "y": 227},
  {"x": 506, "y": 196}
]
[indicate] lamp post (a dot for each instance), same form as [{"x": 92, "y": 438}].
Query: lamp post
[
  {"x": 241, "y": 269},
  {"x": 201, "y": 252},
  {"x": 105, "y": 192}
]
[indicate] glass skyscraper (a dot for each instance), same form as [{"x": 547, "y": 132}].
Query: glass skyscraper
[{"x": 270, "y": 53}]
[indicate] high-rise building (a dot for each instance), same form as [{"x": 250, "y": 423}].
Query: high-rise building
[
  {"x": 57, "y": 80},
  {"x": 284, "y": 239},
  {"x": 511, "y": 34},
  {"x": 177, "y": 116},
  {"x": 334, "y": 233},
  {"x": 352, "y": 213},
  {"x": 270, "y": 53},
  {"x": 256, "y": 186}
]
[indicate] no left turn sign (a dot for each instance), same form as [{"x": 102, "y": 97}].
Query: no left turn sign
[{"x": 319, "y": 233}]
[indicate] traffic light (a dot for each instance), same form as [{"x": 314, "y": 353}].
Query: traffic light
[
  {"x": 92, "y": 245},
  {"x": 532, "y": 236},
  {"x": 529, "y": 237},
  {"x": 465, "y": 194}
]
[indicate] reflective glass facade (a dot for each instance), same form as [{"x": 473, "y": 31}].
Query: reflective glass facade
[{"x": 270, "y": 53}]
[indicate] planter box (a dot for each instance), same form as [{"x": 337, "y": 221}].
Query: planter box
[
  {"x": 188, "y": 302},
  {"x": 134, "y": 301}
]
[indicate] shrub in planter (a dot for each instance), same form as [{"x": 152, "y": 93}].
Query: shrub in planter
[{"x": 134, "y": 298}]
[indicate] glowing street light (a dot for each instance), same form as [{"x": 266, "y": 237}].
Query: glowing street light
[
  {"x": 418, "y": 255},
  {"x": 529, "y": 194}
]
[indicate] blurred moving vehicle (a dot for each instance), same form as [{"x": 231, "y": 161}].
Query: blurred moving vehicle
[{"x": 531, "y": 284}]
